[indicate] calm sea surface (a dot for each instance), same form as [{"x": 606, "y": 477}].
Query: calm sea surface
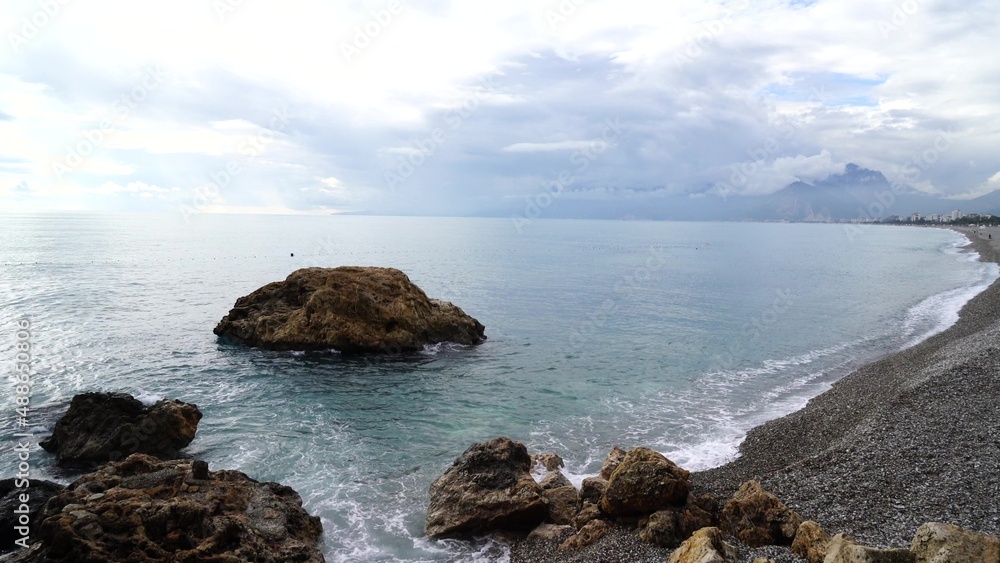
[{"x": 677, "y": 336}]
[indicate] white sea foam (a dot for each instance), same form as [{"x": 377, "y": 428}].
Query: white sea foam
[{"x": 147, "y": 398}]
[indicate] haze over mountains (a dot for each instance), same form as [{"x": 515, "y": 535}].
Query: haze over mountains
[{"x": 856, "y": 193}]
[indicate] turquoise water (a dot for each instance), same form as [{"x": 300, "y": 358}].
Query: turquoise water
[{"x": 678, "y": 336}]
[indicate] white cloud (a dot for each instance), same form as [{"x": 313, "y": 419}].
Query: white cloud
[{"x": 547, "y": 147}]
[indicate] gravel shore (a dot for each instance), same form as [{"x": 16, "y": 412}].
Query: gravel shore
[{"x": 908, "y": 439}]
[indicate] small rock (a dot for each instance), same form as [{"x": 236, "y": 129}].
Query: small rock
[
  {"x": 587, "y": 535},
  {"x": 612, "y": 461},
  {"x": 550, "y": 532},
  {"x": 935, "y": 542},
  {"x": 592, "y": 489},
  {"x": 589, "y": 512},
  {"x": 661, "y": 529},
  {"x": 705, "y": 546},
  {"x": 555, "y": 480},
  {"x": 842, "y": 549},
  {"x": 551, "y": 462},
  {"x": 811, "y": 542},
  {"x": 199, "y": 469},
  {"x": 757, "y": 518}
]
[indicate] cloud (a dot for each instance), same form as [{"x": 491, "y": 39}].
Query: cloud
[{"x": 473, "y": 107}]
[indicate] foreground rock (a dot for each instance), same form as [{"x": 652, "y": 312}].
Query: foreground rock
[
  {"x": 843, "y": 549},
  {"x": 488, "y": 488},
  {"x": 945, "y": 543},
  {"x": 643, "y": 482},
  {"x": 349, "y": 309},
  {"x": 705, "y": 546},
  {"x": 757, "y": 518},
  {"x": 143, "y": 509},
  {"x": 21, "y": 509},
  {"x": 101, "y": 427}
]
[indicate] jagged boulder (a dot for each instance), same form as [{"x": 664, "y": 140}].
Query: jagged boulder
[
  {"x": 935, "y": 542},
  {"x": 587, "y": 535},
  {"x": 592, "y": 489},
  {"x": 757, "y": 518},
  {"x": 488, "y": 488},
  {"x": 644, "y": 482},
  {"x": 842, "y": 549},
  {"x": 707, "y": 545},
  {"x": 555, "y": 480},
  {"x": 811, "y": 542},
  {"x": 611, "y": 462},
  {"x": 549, "y": 462},
  {"x": 21, "y": 505},
  {"x": 350, "y": 309},
  {"x": 101, "y": 427},
  {"x": 146, "y": 510},
  {"x": 700, "y": 511},
  {"x": 661, "y": 529}
]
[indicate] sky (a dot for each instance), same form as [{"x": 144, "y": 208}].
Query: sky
[{"x": 484, "y": 108}]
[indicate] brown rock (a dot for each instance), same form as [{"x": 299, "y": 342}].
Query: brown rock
[
  {"x": 811, "y": 542},
  {"x": 615, "y": 457},
  {"x": 644, "y": 482},
  {"x": 350, "y": 309},
  {"x": 592, "y": 489},
  {"x": 701, "y": 511},
  {"x": 488, "y": 488},
  {"x": 550, "y": 532},
  {"x": 137, "y": 510},
  {"x": 551, "y": 462},
  {"x": 935, "y": 542},
  {"x": 587, "y": 513},
  {"x": 661, "y": 529},
  {"x": 563, "y": 504},
  {"x": 757, "y": 518},
  {"x": 705, "y": 546},
  {"x": 842, "y": 549},
  {"x": 101, "y": 427},
  {"x": 555, "y": 480},
  {"x": 587, "y": 535}
]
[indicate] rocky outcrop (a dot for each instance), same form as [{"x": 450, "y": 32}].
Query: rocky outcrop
[
  {"x": 101, "y": 427},
  {"x": 842, "y": 549},
  {"x": 21, "y": 505},
  {"x": 488, "y": 488},
  {"x": 350, "y": 309},
  {"x": 587, "y": 535},
  {"x": 811, "y": 542},
  {"x": 935, "y": 542},
  {"x": 146, "y": 510},
  {"x": 757, "y": 518},
  {"x": 644, "y": 482},
  {"x": 707, "y": 545}
]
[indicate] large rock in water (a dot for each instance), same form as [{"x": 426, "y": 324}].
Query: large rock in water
[
  {"x": 100, "y": 427},
  {"x": 144, "y": 510},
  {"x": 488, "y": 488},
  {"x": 350, "y": 309}
]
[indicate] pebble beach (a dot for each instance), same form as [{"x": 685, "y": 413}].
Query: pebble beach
[{"x": 911, "y": 438}]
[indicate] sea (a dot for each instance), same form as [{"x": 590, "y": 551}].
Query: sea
[{"x": 673, "y": 335}]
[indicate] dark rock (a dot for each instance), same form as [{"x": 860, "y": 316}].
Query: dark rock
[
  {"x": 587, "y": 513},
  {"x": 592, "y": 489},
  {"x": 555, "y": 480},
  {"x": 199, "y": 469},
  {"x": 551, "y": 462},
  {"x": 350, "y": 309},
  {"x": 100, "y": 427},
  {"x": 563, "y": 504},
  {"x": 488, "y": 488},
  {"x": 662, "y": 529},
  {"x": 15, "y": 508},
  {"x": 701, "y": 511},
  {"x": 757, "y": 518},
  {"x": 644, "y": 482},
  {"x": 143, "y": 509}
]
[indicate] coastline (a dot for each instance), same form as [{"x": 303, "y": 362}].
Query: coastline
[{"x": 907, "y": 439}]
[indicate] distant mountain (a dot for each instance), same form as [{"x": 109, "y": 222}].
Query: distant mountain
[{"x": 856, "y": 193}]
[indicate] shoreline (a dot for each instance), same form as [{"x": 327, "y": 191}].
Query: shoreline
[{"x": 909, "y": 438}]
